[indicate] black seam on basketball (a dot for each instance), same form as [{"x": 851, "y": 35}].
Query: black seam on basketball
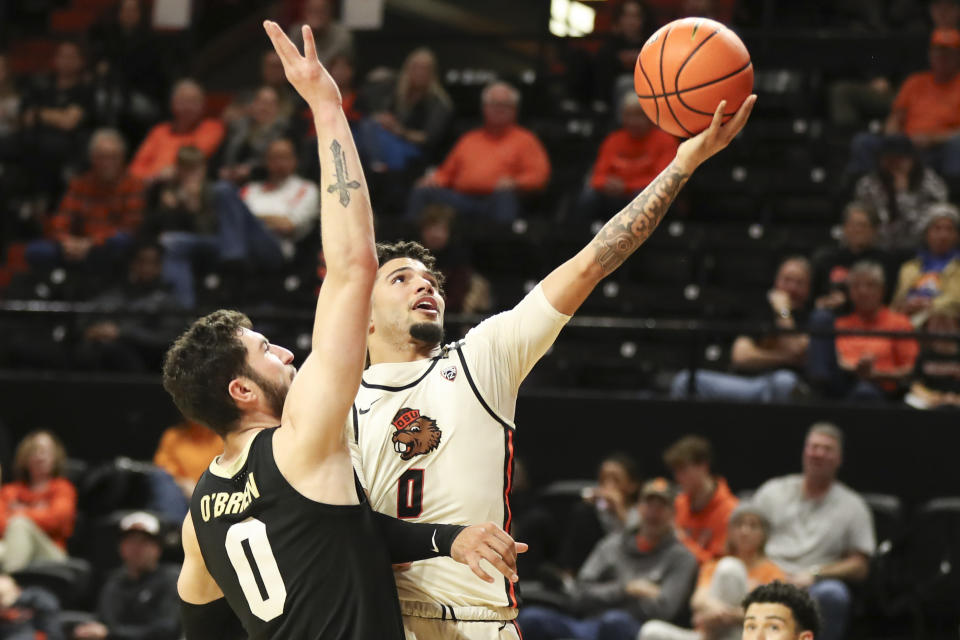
[
  {"x": 663, "y": 86},
  {"x": 700, "y": 86},
  {"x": 676, "y": 81},
  {"x": 710, "y": 113},
  {"x": 656, "y": 105}
]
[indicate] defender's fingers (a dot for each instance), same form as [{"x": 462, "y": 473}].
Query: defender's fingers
[
  {"x": 494, "y": 558},
  {"x": 477, "y": 571},
  {"x": 281, "y": 43},
  {"x": 309, "y": 45}
]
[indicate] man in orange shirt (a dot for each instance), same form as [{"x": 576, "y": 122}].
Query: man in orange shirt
[
  {"x": 927, "y": 109},
  {"x": 185, "y": 451},
  {"x": 629, "y": 159},
  {"x": 702, "y": 508},
  {"x": 157, "y": 154},
  {"x": 488, "y": 167},
  {"x": 865, "y": 367}
]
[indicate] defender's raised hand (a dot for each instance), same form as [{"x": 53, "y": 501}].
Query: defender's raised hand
[
  {"x": 304, "y": 72},
  {"x": 693, "y": 152}
]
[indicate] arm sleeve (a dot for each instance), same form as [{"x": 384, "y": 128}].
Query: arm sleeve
[
  {"x": 597, "y": 586},
  {"x": 212, "y": 621},
  {"x": 502, "y": 349},
  {"x": 535, "y": 168},
  {"x": 410, "y": 541},
  {"x": 675, "y": 588}
]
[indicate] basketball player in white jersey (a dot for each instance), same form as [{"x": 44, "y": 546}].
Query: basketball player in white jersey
[{"x": 433, "y": 426}]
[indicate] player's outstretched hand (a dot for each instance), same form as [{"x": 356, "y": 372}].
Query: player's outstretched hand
[
  {"x": 490, "y": 542},
  {"x": 693, "y": 152},
  {"x": 304, "y": 72}
]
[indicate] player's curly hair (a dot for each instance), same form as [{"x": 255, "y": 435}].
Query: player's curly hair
[
  {"x": 804, "y": 609},
  {"x": 387, "y": 251},
  {"x": 201, "y": 363}
]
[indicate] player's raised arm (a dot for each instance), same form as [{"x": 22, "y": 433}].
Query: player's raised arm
[
  {"x": 569, "y": 284},
  {"x": 322, "y": 392}
]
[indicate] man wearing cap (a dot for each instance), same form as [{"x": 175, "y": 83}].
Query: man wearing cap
[
  {"x": 631, "y": 576},
  {"x": 927, "y": 108},
  {"x": 821, "y": 531},
  {"x": 933, "y": 277},
  {"x": 139, "y": 601}
]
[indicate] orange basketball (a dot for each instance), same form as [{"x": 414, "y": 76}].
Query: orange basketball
[{"x": 686, "y": 68}]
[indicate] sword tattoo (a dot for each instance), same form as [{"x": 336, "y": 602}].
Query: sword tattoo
[{"x": 343, "y": 183}]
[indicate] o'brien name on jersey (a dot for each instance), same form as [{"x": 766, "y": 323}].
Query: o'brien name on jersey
[{"x": 224, "y": 503}]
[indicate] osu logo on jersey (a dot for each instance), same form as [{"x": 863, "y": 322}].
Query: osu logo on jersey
[{"x": 415, "y": 434}]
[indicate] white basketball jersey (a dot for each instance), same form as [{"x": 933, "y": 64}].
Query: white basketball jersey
[{"x": 433, "y": 442}]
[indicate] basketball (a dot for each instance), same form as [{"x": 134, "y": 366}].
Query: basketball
[{"x": 686, "y": 68}]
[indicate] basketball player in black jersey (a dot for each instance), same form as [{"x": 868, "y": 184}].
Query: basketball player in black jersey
[{"x": 278, "y": 530}]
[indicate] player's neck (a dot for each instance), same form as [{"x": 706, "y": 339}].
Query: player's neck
[
  {"x": 408, "y": 351},
  {"x": 235, "y": 443}
]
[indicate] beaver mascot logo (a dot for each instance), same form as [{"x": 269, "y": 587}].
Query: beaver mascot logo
[{"x": 415, "y": 435}]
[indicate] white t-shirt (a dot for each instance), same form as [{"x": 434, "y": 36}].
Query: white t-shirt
[
  {"x": 296, "y": 198},
  {"x": 807, "y": 534},
  {"x": 433, "y": 442}
]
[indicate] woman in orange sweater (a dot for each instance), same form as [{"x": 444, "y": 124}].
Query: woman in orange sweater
[
  {"x": 723, "y": 583},
  {"x": 37, "y": 509}
]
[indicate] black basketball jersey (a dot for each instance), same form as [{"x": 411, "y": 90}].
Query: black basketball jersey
[{"x": 291, "y": 567}]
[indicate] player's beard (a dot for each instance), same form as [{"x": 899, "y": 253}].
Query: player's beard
[
  {"x": 427, "y": 332},
  {"x": 275, "y": 394}
]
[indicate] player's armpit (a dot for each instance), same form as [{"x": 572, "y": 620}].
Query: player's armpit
[{"x": 195, "y": 584}]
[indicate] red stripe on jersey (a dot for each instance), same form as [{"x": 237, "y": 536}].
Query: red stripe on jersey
[
  {"x": 508, "y": 514},
  {"x": 517, "y": 627}
]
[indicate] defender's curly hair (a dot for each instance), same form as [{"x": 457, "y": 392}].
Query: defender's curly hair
[
  {"x": 387, "y": 251},
  {"x": 200, "y": 365},
  {"x": 804, "y": 609}
]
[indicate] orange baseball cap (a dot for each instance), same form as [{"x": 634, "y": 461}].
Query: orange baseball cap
[{"x": 945, "y": 38}]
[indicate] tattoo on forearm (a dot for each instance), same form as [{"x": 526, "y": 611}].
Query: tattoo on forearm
[
  {"x": 631, "y": 227},
  {"x": 343, "y": 183}
]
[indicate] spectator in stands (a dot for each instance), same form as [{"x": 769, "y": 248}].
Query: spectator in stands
[
  {"x": 342, "y": 70},
  {"x": 331, "y": 37},
  {"x": 9, "y": 112},
  {"x": 286, "y": 204},
  {"x": 609, "y": 507},
  {"x": 117, "y": 341},
  {"x": 465, "y": 291},
  {"x": 272, "y": 75},
  {"x": 248, "y": 138},
  {"x": 936, "y": 376},
  {"x": 863, "y": 367},
  {"x": 664, "y": 11},
  {"x": 99, "y": 214},
  {"x": 900, "y": 189},
  {"x": 933, "y": 277},
  {"x": 28, "y": 613},
  {"x": 632, "y": 576},
  {"x": 409, "y": 118},
  {"x": 765, "y": 366},
  {"x": 927, "y": 109},
  {"x": 617, "y": 56},
  {"x": 132, "y": 77},
  {"x": 139, "y": 600},
  {"x": 724, "y": 582},
  {"x": 38, "y": 508},
  {"x": 57, "y": 114},
  {"x": 490, "y": 167},
  {"x": 821, "y": 531},
  {"x": 782, "y": 611},
  {"x": 185, "y": 451},
  {"x": 155, "y": 158},
  {"x": 704, "y": 503},
  {"x": 196, "y": 220},
  {"x": 831, "y": 265},
  {"x": 629, "y": 159}
]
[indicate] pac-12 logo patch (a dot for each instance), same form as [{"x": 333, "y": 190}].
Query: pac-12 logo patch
[
  {"x": 450, "y": 373},
  {"x": 415, "y": 434}
]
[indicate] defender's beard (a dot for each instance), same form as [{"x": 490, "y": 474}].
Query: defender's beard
[{"x": 427, "y": 333}]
